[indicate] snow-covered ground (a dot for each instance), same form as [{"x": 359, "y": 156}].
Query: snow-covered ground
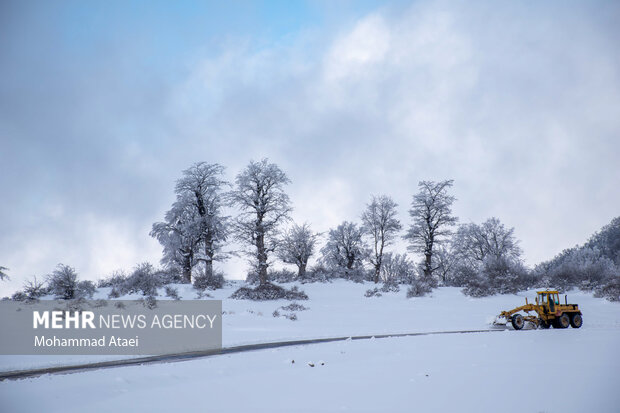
[{"x": 535, "y": 371}]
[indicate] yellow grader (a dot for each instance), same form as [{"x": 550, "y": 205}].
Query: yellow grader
[{"x": 549, "y": 312}]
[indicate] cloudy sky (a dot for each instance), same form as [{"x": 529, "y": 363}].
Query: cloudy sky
[{"x": 103, "y": 104}]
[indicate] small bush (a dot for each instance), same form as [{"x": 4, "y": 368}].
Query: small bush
[
  {"x": 294, "y": 307},
  {"x": 276, "y": 313},
  {"x": 142, "y": 280},
  {"x": 115, "y": 292},
  {"x": 85, "y": 290},
  {"x": 610, "y": 290},
  {"x": 390, "y": 286},
  {"x": 317, "y": 273},
  {"x": 268, "y": 291},
  {"x": 418, "y": 288},
  {"x": 281, "y": 276},
  {"x": 63, "y": 282},
  {"x": 169, "y": 276},
  {"x": 292, "y": 316},
  {"x": 172, "y": 293},
  {"x": 35, "y": 289},
  {"x": 372, "y": 293},
  {"x": 203, "y": 282},
  {"x": 149, "y": 302},
  {"x": 117, "y": 278},
  {"x": 19, "y": 296}
]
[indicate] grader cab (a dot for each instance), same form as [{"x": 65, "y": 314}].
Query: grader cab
[{"x": 549, "y": 312}]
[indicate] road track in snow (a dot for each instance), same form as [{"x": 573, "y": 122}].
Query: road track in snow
[{"x": 177, "y": 357}]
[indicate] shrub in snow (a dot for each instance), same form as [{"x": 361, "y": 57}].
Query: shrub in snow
[
  {"x": 117, "y": 278},
  {"x": 34, "y": 289},
  {"x": 172, "y": 293},
  {"x": 372, "y": 293},
  {"x": 397, "y": 268},
  {"x": 19, "y": 296},
  {"x": 63, "y": 282},
  {"x": 149, "y": 302},
  {"x": 497, "y": 275},
  {"x": 610, "y": 290},
  {"x": 203, "y": 282},
  {"x": 583, "y": 267},
  {"x": 142, "y": 280},
  {"x": 292, "y": 316},
  {"x": 390, "y": 286},
  {"x": 85, "y": 290},
  {"x": 115, "y": 292},
  {"x": 281, "y": 276},
  {"x": 294, "y": 307},
  {"x": 276, "y": 313},
  {"x": 170, "y": 276},
  {"x": 268, "y": 291},
  {"x": 419, "y": 288},
  {"x": 318, "y": 273}
]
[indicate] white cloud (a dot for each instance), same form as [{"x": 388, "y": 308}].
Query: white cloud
[{"x": 520, "y": 104}]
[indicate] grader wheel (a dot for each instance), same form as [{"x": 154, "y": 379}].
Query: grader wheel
[
  {"x": 543, "y": 324},
  {"x": 576, "y": 321},
  {"x": 517, "y": 321},
  {"x": 563, "y": 321}
]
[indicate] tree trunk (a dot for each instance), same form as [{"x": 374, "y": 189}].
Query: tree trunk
[
  {"x": 209, "y": 257},
  {"x": 428, "y": 269},
  {"x": 302, "y": 271},
  {"x": 262, "y": 258},
  {"x": 187, "y": 269}
]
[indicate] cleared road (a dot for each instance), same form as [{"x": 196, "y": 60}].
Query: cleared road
[{"x": 171, "y": 358}]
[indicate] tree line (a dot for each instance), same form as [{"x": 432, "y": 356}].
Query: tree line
[{"x": 482, "y": 258}]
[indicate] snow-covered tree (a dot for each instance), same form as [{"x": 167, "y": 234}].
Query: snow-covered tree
[
  {"x": 486, "y": 259},
  {"x": 259, "y": 194},
  {"x": 446, "y": 262},
  {"x": 3, "y": 274},
  {"x": 345, "y": 249},
  {"x": 431, "y": 211},
  {"x": 397, "y": 268},
  {"x": 180, "y": 238},
  {"x": 297, "y": 246},
  {"x": 34, "y": 289},
  {"x": 472, "y": 243},
  {"x": 63, "y": 283},
  {"x": 379, "y": 223},
  {"x": 194, "y": 229},
  {"x": 607, "y": 241}
]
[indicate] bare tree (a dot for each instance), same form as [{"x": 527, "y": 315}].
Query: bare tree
[
  {"x": 195, "y": 229},
  {"x": 3, "y": 274},
  {"x": 380, "y": 224},
  {"x": 445, "y": 263},
  {"x": 472, "y": 243},
  {"x": 259, "y": 194},
  {"x": 397, "y": 268},
  {"x": 297, "y": 246},
  {"x": 34, "y": 289},
  {"x": 344, "y": 248},
  {"x": 431, "y": 211}
]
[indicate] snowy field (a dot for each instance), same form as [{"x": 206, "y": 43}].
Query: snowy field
[{"x": 510, "y": 371}]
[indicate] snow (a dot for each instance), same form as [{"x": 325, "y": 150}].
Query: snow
[{"x": 572, "y": 370}]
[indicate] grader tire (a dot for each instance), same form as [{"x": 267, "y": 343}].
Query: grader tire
[
  {"x": 563, "y": 321},
  {"x": 517, "y": 321},
  {"x": 576, "y": 320},
  {"x": 543, "y": 324}
]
